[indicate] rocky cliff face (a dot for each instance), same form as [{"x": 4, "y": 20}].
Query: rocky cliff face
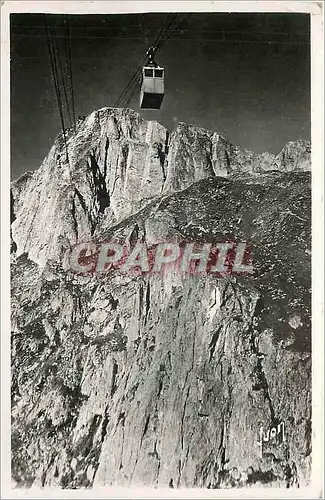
[{"x": 161, "y": 380}]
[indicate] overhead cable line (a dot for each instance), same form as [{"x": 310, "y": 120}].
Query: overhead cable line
[
  {"x": 61, "y": 71},
  {"x": 160, "y": 39},
  {"x": 69, "y": 65},
  {"x": 163, "y": 30},
  {"x": 132, "y": 81},
  {"x": 168, "y": 33},
  {"x": 61, "y": 77},
  {"x": 131, "y": 96},
  {"x": 274, "y": 41},
  {"x": 56, "y": 84}
]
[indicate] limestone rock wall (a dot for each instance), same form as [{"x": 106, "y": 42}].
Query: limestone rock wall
[{"x": 161, "y": 380}]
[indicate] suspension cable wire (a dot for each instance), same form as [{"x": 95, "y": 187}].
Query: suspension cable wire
[
  {"x": 160, "y": 39},
  {"x": 56, "y": 84},
  {"x": 135, "y": 88},
  {"x": 69, "y": 65},
  {"x": 176, "y": 28},
  {"x": 163, "y": 30},
  {"x": 55, "y": 76},
  {"x": 132, "y": 81},
  {"x": 61, "y": 76}
]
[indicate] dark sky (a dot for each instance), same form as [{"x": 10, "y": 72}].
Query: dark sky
[{"x": 246, "y": 76}]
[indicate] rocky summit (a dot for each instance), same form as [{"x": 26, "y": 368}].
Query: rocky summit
[{"x": 161, "y": 380}]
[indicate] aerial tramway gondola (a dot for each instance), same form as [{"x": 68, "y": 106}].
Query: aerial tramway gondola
[
  {"x": 152, "y": 84},
  {"x": 149, "y": 73}
]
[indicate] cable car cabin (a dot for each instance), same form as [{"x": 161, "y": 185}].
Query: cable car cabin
[{"x": 152, "y": 87}]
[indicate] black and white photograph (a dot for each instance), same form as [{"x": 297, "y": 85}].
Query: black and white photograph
[{"x": 163, "y": 183}]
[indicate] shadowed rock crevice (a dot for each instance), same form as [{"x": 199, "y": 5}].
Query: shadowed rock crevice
[{"x": 101, "y": 192}]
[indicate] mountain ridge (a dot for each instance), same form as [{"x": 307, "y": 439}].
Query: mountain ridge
[
  {"x": 167, "y": 380},
  {"x": 146, "y": 161}
]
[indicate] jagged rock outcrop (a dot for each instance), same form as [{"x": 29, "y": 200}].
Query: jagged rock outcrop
[
  {"x": 161, "y": 380},
  {"x": 116, "y": 163}
]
